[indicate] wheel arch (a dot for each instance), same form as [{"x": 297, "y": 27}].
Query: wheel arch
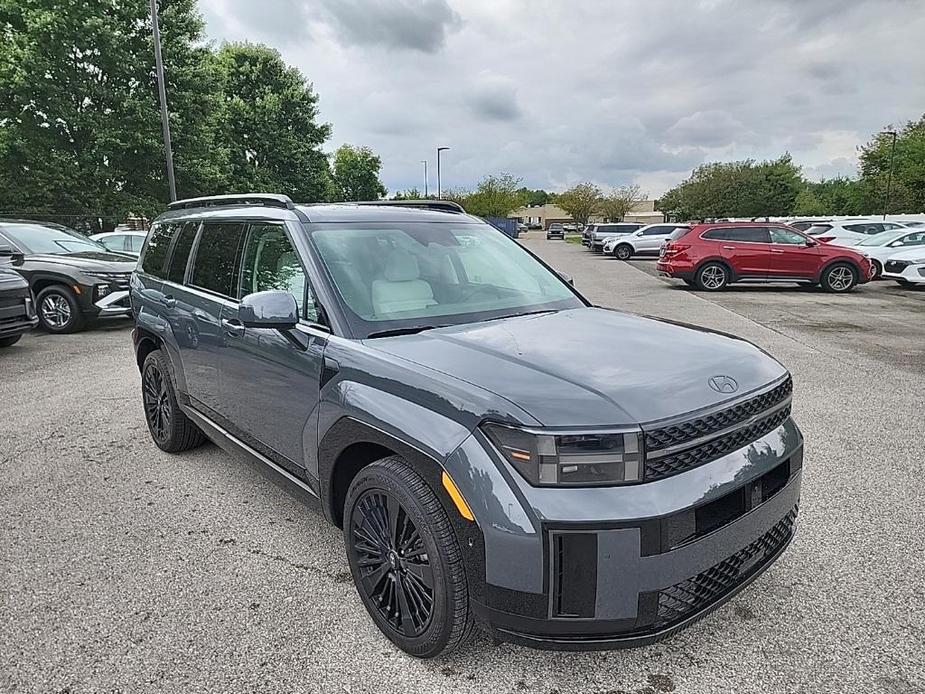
[
  {"x": 717, "y": 259},
  {"x": 840, "y": 259}
]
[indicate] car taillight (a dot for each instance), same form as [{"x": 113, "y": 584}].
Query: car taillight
[{"x": 673, "y": 248}]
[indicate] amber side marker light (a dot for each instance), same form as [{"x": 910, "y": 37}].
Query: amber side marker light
[{"x": 457, "y": 498}]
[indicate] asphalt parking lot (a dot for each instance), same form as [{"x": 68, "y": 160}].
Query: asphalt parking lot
[{"x": 127, "y": 569}]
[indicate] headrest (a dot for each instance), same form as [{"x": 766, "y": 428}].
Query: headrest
[{"x": 401, "y": 266}]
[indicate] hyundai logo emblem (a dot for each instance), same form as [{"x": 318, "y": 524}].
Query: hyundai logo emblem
[{"x": 723, "y": 384}]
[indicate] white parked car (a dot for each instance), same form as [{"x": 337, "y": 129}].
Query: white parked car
[
  {"x": 849, "y": 233},
  {"x": 880, "y": 247},
  {"x": 645, "y": 241},
  {"x": 906, "y": 267},
  {"x": 128, "y": 242}
]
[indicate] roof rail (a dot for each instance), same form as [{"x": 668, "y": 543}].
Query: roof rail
[
  {"x": 437, "y": 205},
  {"x": 261, "y": 199}
]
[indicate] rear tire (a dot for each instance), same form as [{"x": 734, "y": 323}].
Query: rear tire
[
  {"x": 170, "y": 428},
  {"x": 405, "y": 560},
  {"x": 9, "y": 341},
  {"x": 712, "y": 277},
  {"x": 839, "y": 278},
  {"x": 623, "y": 251},
  {"x": 58, "y": 310}
]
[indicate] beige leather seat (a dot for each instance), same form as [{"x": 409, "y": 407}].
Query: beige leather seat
[{"x": 401, "y": 288}]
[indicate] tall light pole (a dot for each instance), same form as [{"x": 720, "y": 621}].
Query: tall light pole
[
  {"x": 439, "y": 188},
  {"x": 162, "y": 94},
  {"x": 889, "y": 180},
  {"x": 424, "y": 162}
]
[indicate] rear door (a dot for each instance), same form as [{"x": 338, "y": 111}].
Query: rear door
[
  {"x": 747, "y": 250},
  {"x": 790, "y": 257},
  {"x": 270, "y": 386},
  {"x": 650, "y": 240},
  {"x": 205, "y": 310}
]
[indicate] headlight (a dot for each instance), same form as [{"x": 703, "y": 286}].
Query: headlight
[{"x": 586, "y": 459}]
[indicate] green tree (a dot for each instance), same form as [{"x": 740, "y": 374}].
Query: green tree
[
  {"x": 580, "y": 201},
  {"x": 356, "y": 174},
  {"x": 79, "y": 123},
  {"x": 410, "y": 194},
  {"x": 808, "y": 204},
  {"x": 908, "y": 190},
  {"x": 269, "y": 125},
  {"x": 620, "y": 201},
  {"x": 494, "y": 196}
]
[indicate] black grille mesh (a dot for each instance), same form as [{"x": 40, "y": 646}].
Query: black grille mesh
[
  {"x": 695, "y": 428},
  {"x": 697, "y": 593},
  {"x": 716, "y": 448}
]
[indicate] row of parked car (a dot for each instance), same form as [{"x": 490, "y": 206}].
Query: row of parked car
[
  {"x": 838, "y": 255},
  {"x": 55, "y": 277}
]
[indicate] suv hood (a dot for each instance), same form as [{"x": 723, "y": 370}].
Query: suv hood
[
  {"x": 88, "y": 260},
  {"x": 911, "y": 254},
  {"x": 591, "y": 366}
]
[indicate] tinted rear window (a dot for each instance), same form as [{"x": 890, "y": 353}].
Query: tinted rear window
[
  {"x": 679, "y": 233},
  {"x": 215, "y": 266},
  {"x": 176, "y": 268},
  {"x": 741, "y": 234},
  {"x": 817, "y": 229},
  {"x": 155, "y": 255}
]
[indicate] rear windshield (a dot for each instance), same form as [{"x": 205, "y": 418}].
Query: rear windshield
[
  {"x": 679, "y": 233},
  {"x": 817, "y": 229}
]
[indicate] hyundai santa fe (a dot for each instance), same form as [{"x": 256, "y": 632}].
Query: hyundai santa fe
[{"x": 413, "y": 374}]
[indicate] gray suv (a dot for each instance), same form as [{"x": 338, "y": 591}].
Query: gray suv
[{"x": 413, "y": 373}]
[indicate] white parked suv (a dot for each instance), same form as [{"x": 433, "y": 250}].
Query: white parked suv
[
  {"x": 645, "y": 241},
  {"x": 848, "y": 233},
  {"x": 906, "y": 267},
  {"x": 883, "y": 246}
]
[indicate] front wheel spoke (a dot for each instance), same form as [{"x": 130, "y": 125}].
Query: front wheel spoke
[
  {"x": 394, "y": 512},
  {"x": 372, "y": 540},
  {"x": 422, "y": 573},
  {"x": 404, "y": 610},
  {"x": 372, "y": 581}
]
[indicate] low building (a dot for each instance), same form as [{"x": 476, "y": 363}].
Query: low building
[{"x": 544, "y": 215}]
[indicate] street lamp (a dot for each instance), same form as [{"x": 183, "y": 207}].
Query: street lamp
[
  {"x": 889, "y": 180},
  {"x": 439, "y": 189},
  {"x": 162, "y": 94},
  {"x": 424, "y": 162}
]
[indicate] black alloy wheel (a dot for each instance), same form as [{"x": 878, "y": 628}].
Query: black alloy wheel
[
  {"x": 394, "y": 565},
  {"x": 405, "y": 559},
  {"x": 169, "y": 426}
]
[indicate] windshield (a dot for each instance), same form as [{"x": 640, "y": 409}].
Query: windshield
[
  {"x": 883, "y": 238},
  {"x": 35, "y": 238},
  {"x": 401, "y": 276}
]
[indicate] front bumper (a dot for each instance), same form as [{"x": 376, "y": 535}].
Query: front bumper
[
  {"x": 17, "y": 315},
  {"x": 583, "y": 569},
  {"x": 914, "y": 273},
  {"x": 114, "y": 304}
]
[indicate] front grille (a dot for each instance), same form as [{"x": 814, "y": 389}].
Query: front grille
[
  {"x": 717, "y": 421},
  {"x": 657, "y": 468},
  {"x": 896, "y": 265},
  {"x": 698, "y": 593}
]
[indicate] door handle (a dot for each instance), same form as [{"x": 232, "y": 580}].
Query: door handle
[
  {"x": 233, "y": 327},
  {"x": 729, "y": 248},
  {"x": 169, "y": 301},
  {"x": 774, "y": 250}
]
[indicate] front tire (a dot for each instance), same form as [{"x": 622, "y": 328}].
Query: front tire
[
  {"x": 58, "y": 310},
  {"x": 712, "y": 277},
  {"x": 839, "y": 278},
  {"x": 405, "y": 559},
  {"x": 878, "y": 269},
  {"x": 170, "y": 428},
  {"x": 623, "y": 252},
  {"x": 9, "y": 341}
]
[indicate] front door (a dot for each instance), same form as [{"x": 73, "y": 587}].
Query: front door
[
  {"x": 270, "y": 385},
  {"x": 650, "y": 240},
  {"x": 791, "y": 256}
]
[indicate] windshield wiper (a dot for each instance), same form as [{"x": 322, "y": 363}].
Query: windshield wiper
[
  {"x": 412, "y": 330},
  {"x": 518, "y": 315}
]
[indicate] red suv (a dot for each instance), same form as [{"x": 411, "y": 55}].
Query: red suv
[{"x": 710, "y": 256}]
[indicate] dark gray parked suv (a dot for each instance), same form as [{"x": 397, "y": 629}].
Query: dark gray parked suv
[{"x": 414, "y": 372}]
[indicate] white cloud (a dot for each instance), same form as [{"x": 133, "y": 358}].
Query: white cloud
[{"x": 612, "y": 91}]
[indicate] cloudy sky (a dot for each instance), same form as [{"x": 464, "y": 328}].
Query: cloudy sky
[{"x": 613, "y": 91}]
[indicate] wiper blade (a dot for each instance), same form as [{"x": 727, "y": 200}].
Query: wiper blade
[
  {"x": 518, "y": 315},
  {"x": 412, "y": 330}
]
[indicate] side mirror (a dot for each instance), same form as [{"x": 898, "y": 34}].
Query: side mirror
[
  {"x": 567, "y": 278},
  {"x": 811, "y": 242},
  {"x": 273, "y": 309},
  {"x": 15, "y": 256},
  {"x": 894, "y": 244}
]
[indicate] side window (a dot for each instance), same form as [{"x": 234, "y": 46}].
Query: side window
[
  {"x": 716, "y": 235},
  {"x": 157, "y": 247},
  {"x": 657, "y": 231},
  {"x": 914, "y": 239},
  {"x": 176, "y": 266},
  {"x": 216, "y": 258},
  {"x": 135, "y": 243},
  {"x": 270, "y": 262},
  {"x": 792, "y": 238},
  {"x": 116, "y": 243},
  {"x": 749, "y": 234}
]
